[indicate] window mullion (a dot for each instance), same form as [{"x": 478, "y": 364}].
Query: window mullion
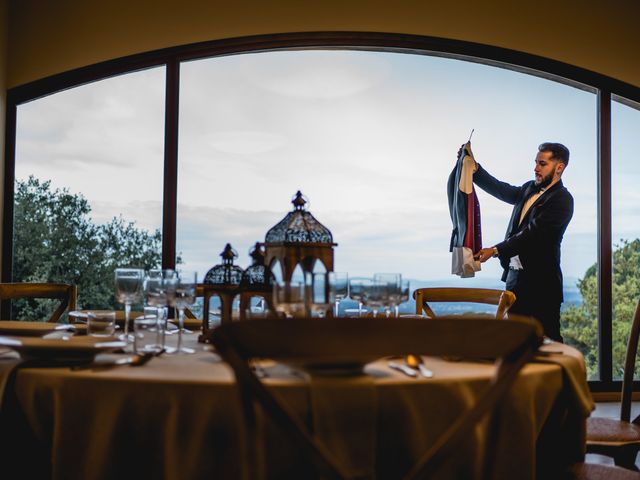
[
  {"x": 170, "y": 195},
  {"x": 605, "y": 304}
]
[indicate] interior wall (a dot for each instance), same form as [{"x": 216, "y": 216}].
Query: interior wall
[{"x": 48, "y": 37}]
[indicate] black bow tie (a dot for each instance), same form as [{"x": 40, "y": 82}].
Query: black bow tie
[{"x": 537, "y": 189}]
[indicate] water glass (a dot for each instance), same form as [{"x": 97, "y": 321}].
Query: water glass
[
  {"x": 403, "y": 296},
  {"x": 181, "y": 293},
  {"x": 156, "y": 284},
  {"x": 391, "y": 284},
  {"x": 341, "y": 290},
  {"x": 320, "y": 292},
  {"x": 375, "y": 295},
  {"x": 146, "y": 334},
  {"x": 357, "y": 288},
  {"x": 289, "y": 298},
  {"x": 101, "y": 323},
  {"x": 128, "y": 285}
]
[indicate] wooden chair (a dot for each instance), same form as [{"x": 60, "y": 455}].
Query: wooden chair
[
  {"x": 329, "y": 339},
  {"x": 200, "y": 292},
  {"x": 503, "y": 299},
  {"x": 620, "y": 439},
  {"x": 65, "y": 293}
]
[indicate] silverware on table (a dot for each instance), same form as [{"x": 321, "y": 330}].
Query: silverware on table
[
  {"x": 416, "y": 362},
  {"x": 410, "y": 372}
]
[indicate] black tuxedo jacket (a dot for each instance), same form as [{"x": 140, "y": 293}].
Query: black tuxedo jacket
[{"x": 537, "y": 239}]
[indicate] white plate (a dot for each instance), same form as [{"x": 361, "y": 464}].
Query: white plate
[{"x": 71, "y": 348}]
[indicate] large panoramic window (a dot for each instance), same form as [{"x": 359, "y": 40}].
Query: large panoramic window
[
  {"x": 370, "y": 138},
  {"x": 88, "y": 191},
  {"x": 625, "y": 170}
]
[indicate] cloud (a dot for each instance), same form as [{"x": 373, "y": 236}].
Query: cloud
[
  {"x": 315, "y": 74},
  {"x": 245, "y": 143}
]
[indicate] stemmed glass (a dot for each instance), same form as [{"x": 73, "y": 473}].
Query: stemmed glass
[
  {"x": 181, "y": 293},
  {"x": 357, "y": 288},
  {"x": 289, "y": 298},
  {"x": 320, "y": 292},
  {"x": 156, "y": 284},
  {"x": 341, "y": 289},
  {"x": 401, "y": 296},
  {"x": 128, "y": 283},
  {"x": 391, "y": 284},
  {"x": 375, "y": 295}
]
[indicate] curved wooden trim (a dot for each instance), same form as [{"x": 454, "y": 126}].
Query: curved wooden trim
[{"x": 374, "y": 41}]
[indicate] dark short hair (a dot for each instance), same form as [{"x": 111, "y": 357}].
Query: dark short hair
[{"x": 559, "y": 151}]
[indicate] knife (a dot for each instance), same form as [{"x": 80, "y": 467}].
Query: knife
[{"x": 410, "y": 372}]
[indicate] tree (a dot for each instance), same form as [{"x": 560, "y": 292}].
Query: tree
[
  {"x": 580, "y": 324},
  {"x": 55, "y": 240}
]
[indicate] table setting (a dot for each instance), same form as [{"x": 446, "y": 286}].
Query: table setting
[{"x": 123, "y": 368}]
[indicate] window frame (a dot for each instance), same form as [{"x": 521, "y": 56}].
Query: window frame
[{"x": 606, "y": 88}]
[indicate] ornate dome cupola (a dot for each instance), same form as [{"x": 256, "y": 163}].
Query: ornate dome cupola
[
  {"x": 257, "y": 281},
  {"x": 299, "y": 239},
  {"x": 222, "y": 280}
]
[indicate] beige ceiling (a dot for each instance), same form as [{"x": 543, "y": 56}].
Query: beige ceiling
[{"x": 48, "y": 37}]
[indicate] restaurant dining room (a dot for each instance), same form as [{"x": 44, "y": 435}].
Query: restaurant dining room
[{"x": 351, "y": 239}]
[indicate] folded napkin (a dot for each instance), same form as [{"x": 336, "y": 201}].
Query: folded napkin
[
  {"x": 344, "y": 416},
  {"x": 574, "y": 373}
]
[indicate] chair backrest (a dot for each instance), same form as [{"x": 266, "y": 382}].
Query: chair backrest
[
  {"x": 326, "y": 340},
  {"x": 629, "y": 368},
  {"x": 65, "y": 293},
  {"x": 503, "y": 299}
]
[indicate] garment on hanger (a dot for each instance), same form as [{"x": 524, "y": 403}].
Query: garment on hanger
[{"x": 464, "y": 208}]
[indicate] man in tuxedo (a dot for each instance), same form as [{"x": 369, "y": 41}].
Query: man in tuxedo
[{"x": 530, "y": 252}]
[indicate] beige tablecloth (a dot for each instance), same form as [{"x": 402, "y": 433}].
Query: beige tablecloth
[{"x": 178, "y": 417}]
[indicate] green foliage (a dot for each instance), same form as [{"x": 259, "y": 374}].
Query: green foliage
[
  {"x": 579, "y": 324},
  {"x": 55, "y": 240}
]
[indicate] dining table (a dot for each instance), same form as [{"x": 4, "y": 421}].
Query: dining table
[{"x": 179, "y": 417}]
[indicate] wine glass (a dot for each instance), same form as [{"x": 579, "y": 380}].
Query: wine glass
[
  {"x": 156, "y": 284},
  {"x": 357, "y": 287},
  {"x": 289, "y": 298},
  {"x": 341, "y": 289},
  {"x": 391, "y": 283},
  {"x": 181, "y": 293},
  {"x": 375, "y": 294},
  {"x": 128, "y": 283},
  {"x": 401, "y": 296},
  {"x": 320, "y": 292}
]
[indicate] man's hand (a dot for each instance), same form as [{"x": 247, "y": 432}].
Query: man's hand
[{"x": 484, "y": 254}]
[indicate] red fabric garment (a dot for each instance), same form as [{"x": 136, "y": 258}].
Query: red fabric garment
[
  {"x": 473, "y": 235},
  {"x": 468, "y": 236}
]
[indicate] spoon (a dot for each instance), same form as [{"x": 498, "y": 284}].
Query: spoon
[{"x": 415, "y": 362}]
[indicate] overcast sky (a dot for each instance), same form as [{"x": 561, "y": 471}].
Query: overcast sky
[{"x": 370, "y": 138}]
